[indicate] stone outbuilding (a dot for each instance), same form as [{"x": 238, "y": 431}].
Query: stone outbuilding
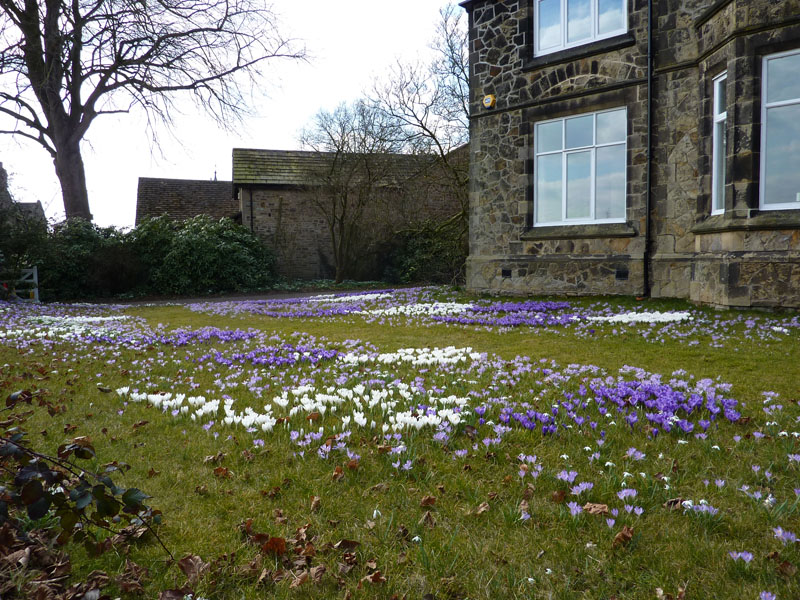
[
  {"x": 285, "y": 198},
  {"x": 638, "y": 148}
]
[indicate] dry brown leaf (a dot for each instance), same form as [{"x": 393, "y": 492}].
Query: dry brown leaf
[
  {"x": 428, "y": 501},
  {"x": 193, "y": 567},
  {"x": 316, "y": 503},
  {"x": 372, "y": 564},
  {"x": 623, "y": 537},
  {"x": 316, "y": 573},
  {"x": 346, "y": 545},
  {"x": 524, "y": 507},
  {"x": 482, "y": 508},
  {"x": 375, "y": 578},
  {"x": 214, "y": 458},
  {"x": 274, "y": 545},
  {"x": 595, "y": 509},
  {"x": 139, "y": 425},
  {"x": 352, "y": 464},
  {"x": 247, "y": 455},
  {"x": 338, "y": 473},
  {"x": 558, "y": 496},
  {"x": 428, "y": 520},
  {"x": 223, "y": 472},
  {"x": 673, "y": 503},
  {"x": 379, "y": 487},
  {"x": 299, "y": 580},
  {"x": 786, "y": 569}
]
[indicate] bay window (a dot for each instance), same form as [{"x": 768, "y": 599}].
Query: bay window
[{"x": 780, "y": 131}]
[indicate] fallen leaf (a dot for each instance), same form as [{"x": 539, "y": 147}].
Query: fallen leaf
[
  {"x": 558, "y": 496},
  {"x": 201, "y": 490},
  {"x": 673, "y": 503},
  {"x": 299, "y": 580},
  {"x": 193, "y": 567},
  {"x": 346, "y": 545},
  {"x": 352, "y": 464},
  {"x": 379, "y": 487},
  {"x": 223, "y": 472},
  {"x": 595, "y": 509},
  {"x": 275, "y": 545},
  {"x": 152, "y": 472},
  {"x": 524, "y": 507},
  {"x": 375, "y": 578},
  {"x": 786, "y": 569},
  {"x": 214, "y": 458},
  {"x": 623, "y": 537},
  {"x": 313, "y": 416},
  {"x": 316, "y": 573},
  {"x": 247, "y": 455},
  {"x": 140, "y": 424},
  {"x": 316, "y": 503},
  {"x": 428, "y": 520},
  {"x": 428, "y": 501},
  {"x": 338, "y": 473},
  {"x": 482, "y": 508}
]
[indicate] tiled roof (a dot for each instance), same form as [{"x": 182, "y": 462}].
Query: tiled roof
[
  {"x": 276, "y": 167},
  {"x": 184, "y": 198},
  {"x": 301, "y": 168}
]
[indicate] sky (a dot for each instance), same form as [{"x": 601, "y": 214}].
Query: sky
[{"x": 349, "y": 43}]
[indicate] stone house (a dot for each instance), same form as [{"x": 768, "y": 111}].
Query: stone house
[
  {"x": 636, "y": 147},
  {"x": 23, "y": 210},
  {"x": 284, "y": 198}
]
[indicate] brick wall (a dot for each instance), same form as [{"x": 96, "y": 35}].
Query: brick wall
[{"x": 184, "y": 198}]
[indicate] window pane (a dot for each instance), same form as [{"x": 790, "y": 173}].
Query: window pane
[
  {"x": 720, "y": 96},
  {"x": 549, "y": 33},
  {"x": 612, "y": 126},
  {"x": 579, "y": 185},
  {"x": 579, "y": 20},
  {"x": 548, "y": 137},
  {"x": 720, "y": 153},
  {"x": 548, "y": 188},
  {"x": 579, "y": 131},
  {"x": 612, "y": 15},
  {"x": 782, "y": 181},
  {"x": 783, "y": 82},
  {"x": 610, "y": 187}
]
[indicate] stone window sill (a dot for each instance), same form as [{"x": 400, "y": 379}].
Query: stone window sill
[
  {"x": 599, "y": 47},
  {"x": 572, "y": 232},
  {"x": 773, "y": 219}
]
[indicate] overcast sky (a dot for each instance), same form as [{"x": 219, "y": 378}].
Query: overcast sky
[{"x": 350, "y": 42}]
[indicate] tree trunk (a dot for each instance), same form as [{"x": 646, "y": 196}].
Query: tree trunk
[{"x": 72, "y": 176}]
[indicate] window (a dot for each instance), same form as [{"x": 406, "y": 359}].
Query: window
[
  {"x": 580, "y": 169},
  {"x": 720, "y": 141},
  {"x": 561, "y": 24},
  {"x": 780, "y": 131}
]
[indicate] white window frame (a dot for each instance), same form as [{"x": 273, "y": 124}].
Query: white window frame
[
  {"x": 718, "y": 162},
  {"x": 565, "y": 153},
  {"x": 595, "y": 36},
  {"x": 764, "y": 133}
]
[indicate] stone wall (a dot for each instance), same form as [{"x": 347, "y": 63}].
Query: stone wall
[{"x": 740, "y": 258}]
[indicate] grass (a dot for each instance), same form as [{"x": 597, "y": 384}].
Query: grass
[{"x": 472, "y": 541}]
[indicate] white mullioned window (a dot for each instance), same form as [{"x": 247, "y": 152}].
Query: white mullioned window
[
  {"x": 561, "y": 24},
  {"x": 720, "y": 141},
  {"x": 580, "y": 169},
  {"x": 780, "y": 131}
]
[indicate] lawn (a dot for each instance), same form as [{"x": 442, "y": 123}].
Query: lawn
[{"x": 420, "y": 443}]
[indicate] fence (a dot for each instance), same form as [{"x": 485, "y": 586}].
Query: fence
[{"x": 26, "y": 287}]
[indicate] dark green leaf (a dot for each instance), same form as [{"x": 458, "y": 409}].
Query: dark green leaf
[
  {"x": 39, "y": 508},
  {"x": 32, "y": 492},
  {"x": 134, "y": 497}
]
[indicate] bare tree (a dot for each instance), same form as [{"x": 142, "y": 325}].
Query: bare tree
[
  {"x": 431, "y": 100},
  {"x": 356, "y": 144},
  {"x": 65, "y": 62}
]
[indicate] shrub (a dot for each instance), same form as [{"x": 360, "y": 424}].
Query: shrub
[
  {"x": 430, "y": 253},
  {"x": 81, "y": 260}
]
